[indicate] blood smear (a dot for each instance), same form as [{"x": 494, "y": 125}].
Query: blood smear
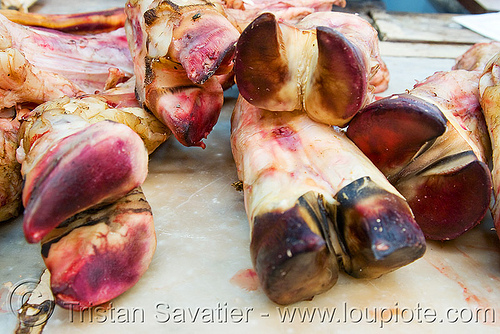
[{"x": 246, "y": 279}]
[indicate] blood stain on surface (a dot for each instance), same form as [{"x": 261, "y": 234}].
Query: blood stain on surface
[{"x": 246, "y": 279}]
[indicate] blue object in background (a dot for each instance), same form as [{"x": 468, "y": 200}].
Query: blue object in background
[
  {"x": 425, "y": 6},
  {"x": 415, "y": 6}
]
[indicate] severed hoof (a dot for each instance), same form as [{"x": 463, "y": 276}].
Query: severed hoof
[
  {"x": 392, "y": 130},
  {"x": 99, "y": 164},
  {"x": 429, "y": 161},
  {"x": 376, "y": 230},
  {"x": 281, "y": 68},
  {"x": 291, "y": 252},
  {"x": 98, "y": 254}
]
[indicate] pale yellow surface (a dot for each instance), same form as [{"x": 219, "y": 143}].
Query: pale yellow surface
[{"x": 203, "y": 241}]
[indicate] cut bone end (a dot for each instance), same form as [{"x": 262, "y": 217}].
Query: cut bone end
[
  {"x": 207, "y": 46},
  {"x": 100, "y": 163},
  {"x": 100, "y": 253},
  {"x": 339, "y": 84},
  {"x": 376, "y": 229},
  {"x": 448, "y": 203},
  {"x": 199, "y": 72},
  {"x": 392, "y": 130},
  {"x": 292, "y": 260}
]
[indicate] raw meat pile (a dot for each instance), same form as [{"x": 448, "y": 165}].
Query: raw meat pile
[{"x": 333, "y": 180}]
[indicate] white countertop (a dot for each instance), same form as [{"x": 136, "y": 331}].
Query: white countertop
[{"x": 203, "y": 241}]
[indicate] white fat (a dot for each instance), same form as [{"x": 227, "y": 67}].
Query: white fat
[
  {"x": 20, "y": 154},
  {"x": 485, "y": 82},
  {"x": 161, "y": 32},
  {"x": 64, "y": 125},
  {"x": 58, "y": 126}
]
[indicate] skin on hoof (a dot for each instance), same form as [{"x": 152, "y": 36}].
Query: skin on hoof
[
  {"x": 291, "y": 253},
  {"x": 180, "y": 50},
  {"x": 100, "y": 253},
  {"x": 392, "y": 130},
  {"x": 100, "y": 163},
  {"x": 433, "y": 145},
  {"x": 376, "y": 229},
  {"x": 313, "y": 199},
  {"x": 322, "y": 66}
]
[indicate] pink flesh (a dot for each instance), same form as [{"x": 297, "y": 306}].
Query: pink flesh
[
  {"x": 21, "y": 81},
  {"x": 85, "y": 60},
  {"x": 246, "y": 279},
  {"x": 78, "y": 173},
  {"x": 477, "y": 56},
  {"x": 457, "y": 93},
  {"x": 289, "y": 11}
]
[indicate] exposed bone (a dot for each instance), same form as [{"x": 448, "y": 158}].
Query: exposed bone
[{"x": 100, "y": 253}]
